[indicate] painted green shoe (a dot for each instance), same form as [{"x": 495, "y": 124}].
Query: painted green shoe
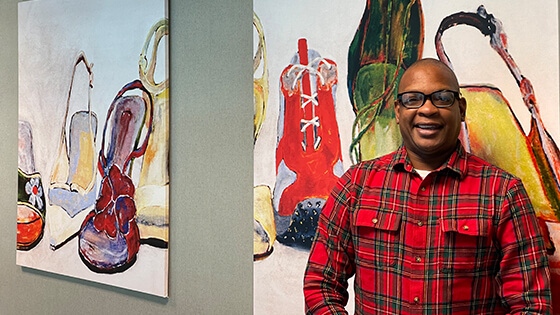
[
  {"x": 31, "y": 207},
  {"x": 389, "y": 38}
]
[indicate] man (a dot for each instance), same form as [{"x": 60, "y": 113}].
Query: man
[{"x": 429, "y": 228}]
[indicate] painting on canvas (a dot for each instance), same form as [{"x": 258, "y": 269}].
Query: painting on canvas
[
  {"x": 325, "y": 74},
  {"x": 93, "y": 143}
]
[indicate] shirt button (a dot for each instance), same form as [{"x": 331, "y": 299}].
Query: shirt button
[
  {"x": 423, "y": 189},
  {"x": 419, "y": 223},
  {"x": 374, "y": 221},
  {"x": 416, "y": 300},
  {"x": 465, "y": 227},
  {"x": 418, "y": 259}
]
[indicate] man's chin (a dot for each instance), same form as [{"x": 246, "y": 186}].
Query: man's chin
[{"x": 432, "y": 148}]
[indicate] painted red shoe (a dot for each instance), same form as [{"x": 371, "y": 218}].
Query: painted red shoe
[
  {"x": 308, "y": 154},
  {"x": 109, "y": 239}
]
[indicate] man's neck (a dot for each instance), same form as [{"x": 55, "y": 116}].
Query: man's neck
[{"x": 428, "y": 162}]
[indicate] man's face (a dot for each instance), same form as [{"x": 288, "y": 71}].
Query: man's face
[{"x": 429, "y": 132}]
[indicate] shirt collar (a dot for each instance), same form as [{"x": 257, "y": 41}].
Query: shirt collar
[{"x": 456, "y": 163}]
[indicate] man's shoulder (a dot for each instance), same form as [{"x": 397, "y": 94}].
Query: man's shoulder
[{"x": 480, "y": 165}]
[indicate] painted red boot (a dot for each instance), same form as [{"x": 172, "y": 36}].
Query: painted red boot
[{"x": 308, "y": 154}]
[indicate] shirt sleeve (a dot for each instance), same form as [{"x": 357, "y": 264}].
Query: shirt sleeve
[
  {"x": 524, "y": 277},
  {"x": 331, "y": 259}
]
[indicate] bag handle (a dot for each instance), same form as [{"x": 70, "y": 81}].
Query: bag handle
[
  {"x": 81, "y": 57},
  {"x": 147, "y": 68},
  {"x": 490, "y": 26}
]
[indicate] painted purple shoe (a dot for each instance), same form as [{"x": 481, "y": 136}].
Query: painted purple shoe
[{"x": 109, "y": 239}]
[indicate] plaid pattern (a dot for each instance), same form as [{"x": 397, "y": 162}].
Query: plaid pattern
[{"x": 465, "y": 240}]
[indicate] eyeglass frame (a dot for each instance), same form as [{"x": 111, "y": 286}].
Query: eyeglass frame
[{"x": 456, "y": 96}]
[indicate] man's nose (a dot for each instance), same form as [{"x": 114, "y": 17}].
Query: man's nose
[{"x": 428, "y": 108}]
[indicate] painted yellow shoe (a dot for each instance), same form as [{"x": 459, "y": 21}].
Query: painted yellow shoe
[
  {"x": 152, "y": 193},
  {"x": 264, "y": 233}
]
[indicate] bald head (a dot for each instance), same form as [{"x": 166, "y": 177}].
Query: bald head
[{"x": 429, "y": 64}]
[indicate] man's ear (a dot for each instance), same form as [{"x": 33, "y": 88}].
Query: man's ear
[
  {"x": 463, "y": 107},
  {"x": 397, "y": 106}
]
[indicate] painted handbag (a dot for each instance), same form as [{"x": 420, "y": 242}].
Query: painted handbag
[
  {"x": 492, "y": 131},
  {"x": 389, "y": 38},
  {"x": 152, "y": 193},
  {"x": 72, "y": 187},
  {"x": 260, "y": 84}
]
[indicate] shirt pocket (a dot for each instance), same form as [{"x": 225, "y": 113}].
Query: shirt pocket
[
  {"x": 379, "y": 238},
  {"x": 468, "y": 246}
]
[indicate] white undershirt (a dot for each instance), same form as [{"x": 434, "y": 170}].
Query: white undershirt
[{"x": 423, "y": 173}]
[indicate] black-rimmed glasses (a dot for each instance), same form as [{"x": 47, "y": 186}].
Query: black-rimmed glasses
[{"x": 440, "y": 99}]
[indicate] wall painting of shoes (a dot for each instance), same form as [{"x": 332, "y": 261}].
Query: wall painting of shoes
[
  {"x": 94, "y": 140},
  {"x": 510, "y": 79}
]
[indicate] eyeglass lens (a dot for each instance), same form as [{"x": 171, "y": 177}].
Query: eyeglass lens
[{"x": 443, "y": 98}]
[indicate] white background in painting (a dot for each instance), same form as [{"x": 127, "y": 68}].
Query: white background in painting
[
  {"x": 112, "y": 34},
  {"x": 329, "y": 27}
]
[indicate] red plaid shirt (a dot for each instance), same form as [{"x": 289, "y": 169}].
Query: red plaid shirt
[{"x": 465, "y": 240}]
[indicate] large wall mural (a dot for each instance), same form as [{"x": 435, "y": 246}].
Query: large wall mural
[
  {"x": 93, "y": 178},
  {"x": 325, "y": 75}
]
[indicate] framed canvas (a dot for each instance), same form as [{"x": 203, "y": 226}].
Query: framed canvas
[{"x": 93, "y": 179}]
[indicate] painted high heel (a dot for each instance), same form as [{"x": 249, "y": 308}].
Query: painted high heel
[
  {"x": 73, "y": 177},
  {"x": 31, "y": 198},
  {"x": 152, "y": 193},
  {"x": 109, "y": 239},
  {"x": 72, "y": 187}
]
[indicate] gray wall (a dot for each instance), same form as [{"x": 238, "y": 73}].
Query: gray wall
[{"x": 210, "y": 263}]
